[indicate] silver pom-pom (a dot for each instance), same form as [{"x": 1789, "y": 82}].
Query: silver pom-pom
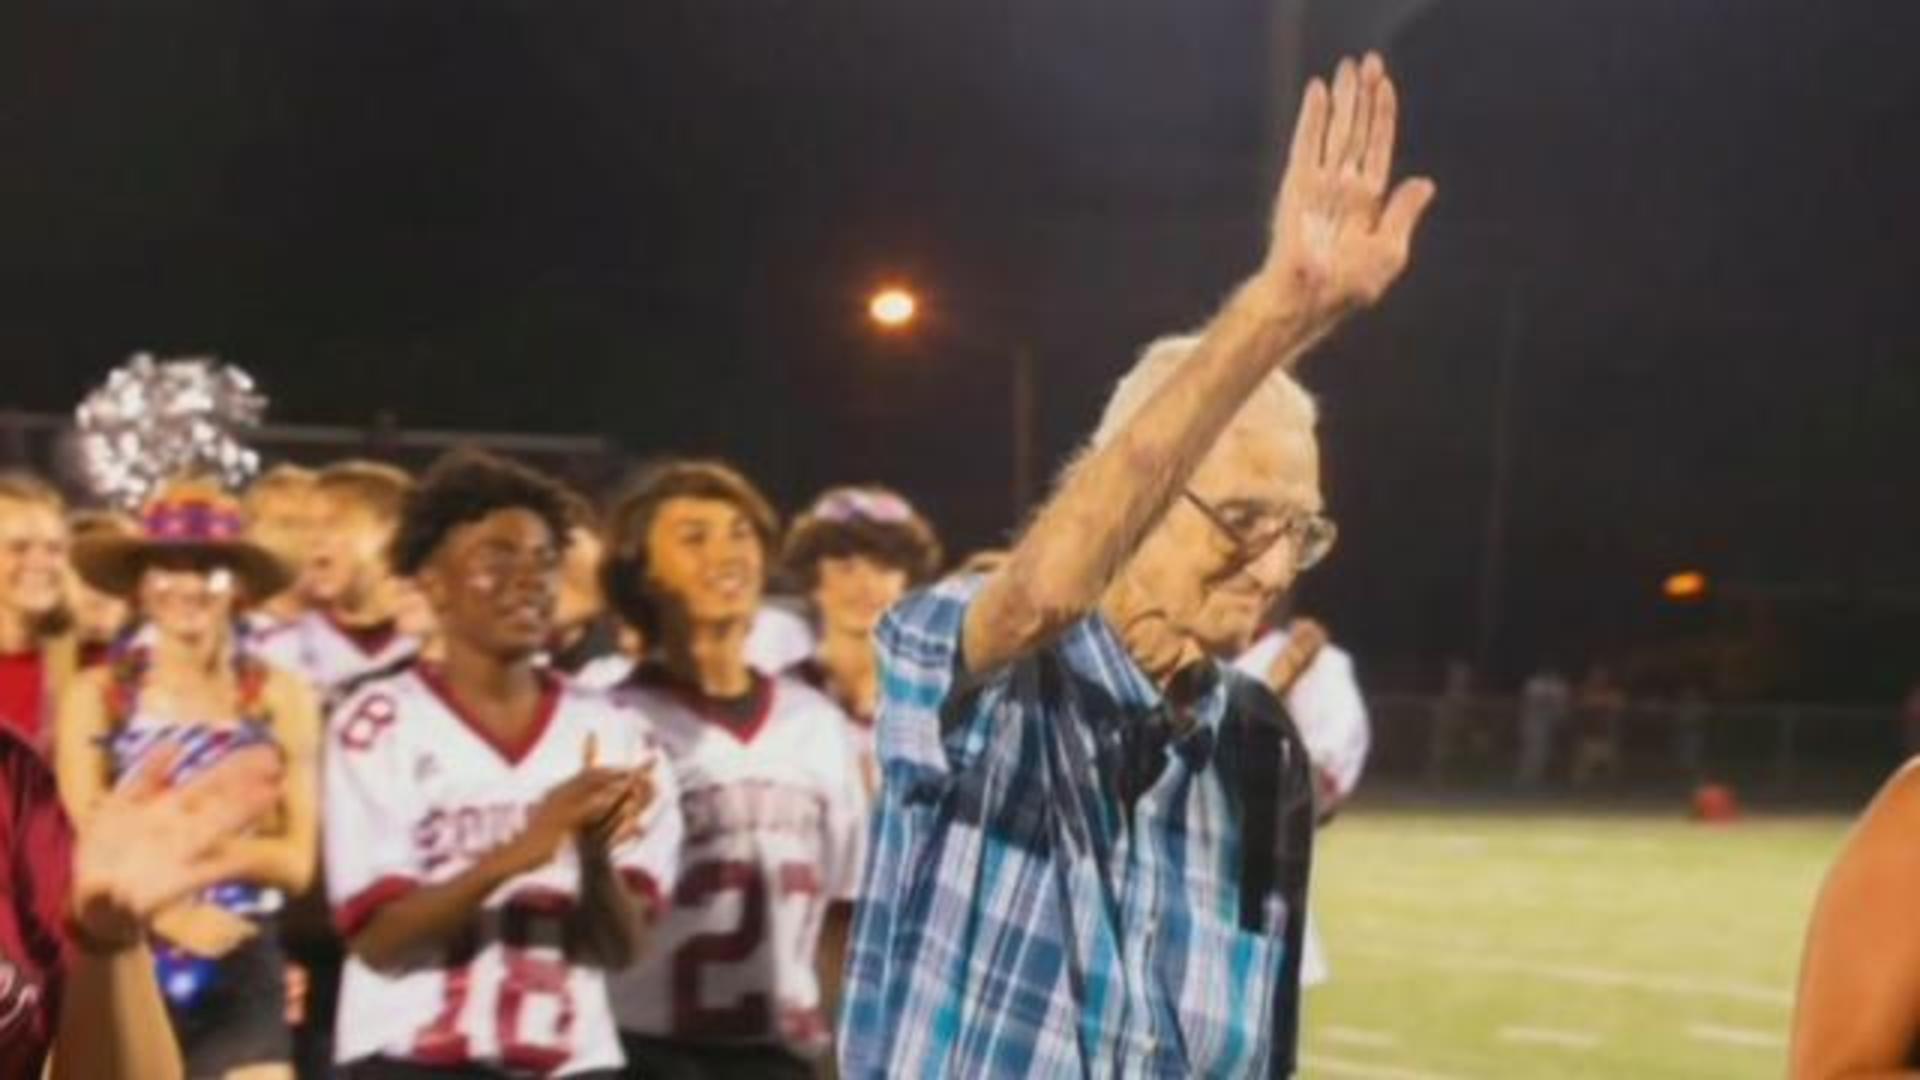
[{"x": 155, "y": 420}]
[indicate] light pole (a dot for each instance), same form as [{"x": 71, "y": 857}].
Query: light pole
[{"x": 895, "y": 309}]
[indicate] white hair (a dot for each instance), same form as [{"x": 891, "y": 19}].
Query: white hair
[{"x": 1279, "y": 403}]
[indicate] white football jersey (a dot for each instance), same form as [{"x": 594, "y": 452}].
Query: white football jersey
[
  {"x": 415, "y": 794},
  {"x": 866, "y": 758},
  {"x": 861, "y": 734},
  {"x": 318, "y": 649},
  {"x": 1326, "y": 706},
  {"x": 605, "y": 673},
  {"x": 775, "y": 822},
  {"x": 779, "y": 638}
]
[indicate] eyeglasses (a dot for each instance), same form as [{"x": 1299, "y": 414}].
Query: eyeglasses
[{"x": 1254, "y": 529}]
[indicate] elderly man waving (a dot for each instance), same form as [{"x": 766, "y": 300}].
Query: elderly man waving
[{"x": 1091, "y": 845}]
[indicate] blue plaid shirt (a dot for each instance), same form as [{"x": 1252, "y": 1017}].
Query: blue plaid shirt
[{"x": 1019, "y": 918}]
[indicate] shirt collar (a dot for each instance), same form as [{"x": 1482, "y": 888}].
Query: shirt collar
[{"x": 1093, "y": 651}]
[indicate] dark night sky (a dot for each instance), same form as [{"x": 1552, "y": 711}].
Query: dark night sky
[{"x": 1693, "y": 221}]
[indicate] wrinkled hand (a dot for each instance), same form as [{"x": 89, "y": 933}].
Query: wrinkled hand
[
  {"x": 203, "y": 929},
  {"x": 151, "y": 843},
  {"x": 1340, "y": 238}
]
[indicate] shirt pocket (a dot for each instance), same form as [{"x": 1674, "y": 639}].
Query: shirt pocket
[{"x": 1224, "y": 994}]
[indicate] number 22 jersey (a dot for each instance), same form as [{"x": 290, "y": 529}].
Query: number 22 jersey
[
  {"x": 774, "y": 814},
  {"x": 415, "y": 794}
]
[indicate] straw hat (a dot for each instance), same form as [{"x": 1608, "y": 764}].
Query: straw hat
[{"x": 191, "y": 518}]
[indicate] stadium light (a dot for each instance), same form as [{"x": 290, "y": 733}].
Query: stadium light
[
  {"x": 893, "y": 308},
  {"x": 1686, "y": 586}
]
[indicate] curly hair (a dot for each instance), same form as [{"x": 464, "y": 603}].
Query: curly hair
[
  {"x": 623, "y": 572},
  {"x": 870, "y": 521},
  {"x": 462, "y": 487}
]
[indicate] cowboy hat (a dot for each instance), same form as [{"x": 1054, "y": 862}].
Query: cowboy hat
[{"x": 194, "y": 519}]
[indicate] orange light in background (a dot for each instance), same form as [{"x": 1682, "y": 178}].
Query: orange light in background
[
  {"x": 1686, "y": 586},
  {"x": 893, "y": 307}
]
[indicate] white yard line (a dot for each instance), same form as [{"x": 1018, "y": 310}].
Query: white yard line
[
  {"x": 1566, "y": 1040},
  {"x": 1575, "y": 840},
  {"x": 1681, "y": 985},
  {"x": 1737, "y": 1036},
  {"x": 1423, "y": 897},
  {"x": 1321, "y": 1065},
  {"x": 1562, "y": 842},
  {"x": 1353, "y": 1036}
]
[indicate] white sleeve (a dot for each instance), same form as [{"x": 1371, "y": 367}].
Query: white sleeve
[
  {"x": 604, "y": 673},
  {"x": 369, "y": 810},
  {"x": 777, "y": 640},
  {"x": 847, "y": 810},
  {"x": 279, "y": 646},
  {"x": 1258, "y": 660},
  {"x": 650, "y": 862},
  {"x": 1332, "y": 716}
]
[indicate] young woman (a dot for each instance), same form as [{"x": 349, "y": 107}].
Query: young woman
[
  {"x": 195, "y": 698},
  {"x": 38, "y": 654},
  {"x": 99, "y": 620},
  {"x": 74, "y": 974}
]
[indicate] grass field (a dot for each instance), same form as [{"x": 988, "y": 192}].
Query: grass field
[{"x": 1500, "y": 944}]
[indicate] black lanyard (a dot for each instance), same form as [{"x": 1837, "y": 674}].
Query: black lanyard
[{"x": 1276, "y": 836}]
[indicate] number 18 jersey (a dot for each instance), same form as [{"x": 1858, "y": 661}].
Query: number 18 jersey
[{"x": 415, "y": 794}]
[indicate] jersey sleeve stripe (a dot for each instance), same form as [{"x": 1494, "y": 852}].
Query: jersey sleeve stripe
[
  {"x": 359, "y": 909},
  {"x": 644, "y": 886}
]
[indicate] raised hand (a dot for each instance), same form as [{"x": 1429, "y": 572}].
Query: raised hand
[
  {"x": 618, "y": 818},
  {"x": 1340, "y": 236},
  {"x": 151, "y": 842},
  {"x": 1305, "y": 639}
]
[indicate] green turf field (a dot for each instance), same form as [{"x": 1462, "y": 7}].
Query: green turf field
[{"x": 1503, "y": 944}]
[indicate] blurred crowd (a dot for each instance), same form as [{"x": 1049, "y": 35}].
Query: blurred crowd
[
  {"x": 303, "y": 615},
  {"x": 93, "y": 604}
]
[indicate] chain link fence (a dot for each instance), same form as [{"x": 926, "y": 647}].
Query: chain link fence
[{"x": 1777, "y": 753}]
